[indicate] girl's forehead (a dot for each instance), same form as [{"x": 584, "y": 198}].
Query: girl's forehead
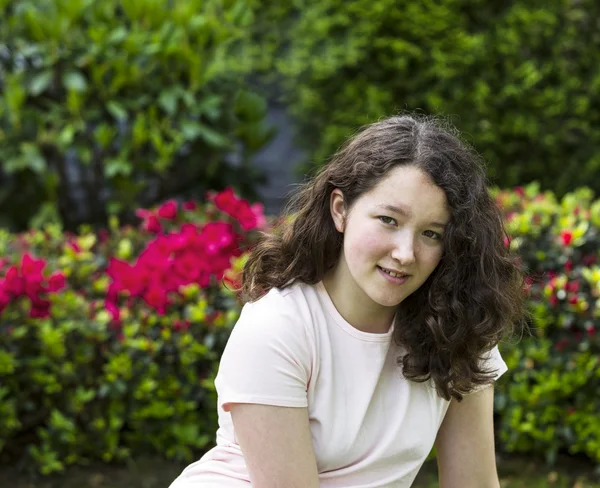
[{"x": 409, "y": 191}]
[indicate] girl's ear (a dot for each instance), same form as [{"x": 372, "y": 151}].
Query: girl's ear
[{"x": 338, "y": 209}]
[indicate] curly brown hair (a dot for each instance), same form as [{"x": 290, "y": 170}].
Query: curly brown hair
[{"x": 473, "y": 297}]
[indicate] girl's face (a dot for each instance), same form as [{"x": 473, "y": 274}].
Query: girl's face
[{"x": 393, "y": 240}]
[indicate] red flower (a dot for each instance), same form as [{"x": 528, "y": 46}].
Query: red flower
[
  {"x": 30, "y": 266},
  {"x": 150, "y": 222},
  {"x": 249, "y": 216},
  {"x": 156, "y": 298},
  {"x": 589, "y": 260},
  {"x": 569, "y": 265},
  {"x": 189, "y": 206},
  {"x": 4, "y": 296},
  {"x": 103, "y": 235},
  {"x": 226, "y": 201},
  {"x": 520, "y": 191},
  {"x": 13, "y": 283},
  {"x": 168, "y": 210},
  {"x": 56, "y": 282},
  {"x": 566, "y": 237},
  {"x": 560, "y": 345},
  {"x": 73, "y": 245},
  {"x": 39, "y": 309},
  {"x": 181, "y": 325}
]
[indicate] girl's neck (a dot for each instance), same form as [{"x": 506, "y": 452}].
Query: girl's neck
[{"x": 354, "y": 305}]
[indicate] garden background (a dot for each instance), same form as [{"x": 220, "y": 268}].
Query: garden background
[{"x": 144, "y": 144}]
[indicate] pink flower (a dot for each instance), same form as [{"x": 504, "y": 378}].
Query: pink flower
[
  {"x": 168, "y": 210},
  {"x": 259, "y": 211},
  {"x": 113, "y": 310}
]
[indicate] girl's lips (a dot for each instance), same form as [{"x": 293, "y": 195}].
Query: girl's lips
[{"x": 393, "y": 279}]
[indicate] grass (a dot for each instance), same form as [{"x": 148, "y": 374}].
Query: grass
[{"x": 515, "y": 472}]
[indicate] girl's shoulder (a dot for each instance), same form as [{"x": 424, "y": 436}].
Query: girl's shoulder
[{"x": 292, "y": 300}]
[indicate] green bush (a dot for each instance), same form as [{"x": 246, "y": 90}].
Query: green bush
[
  {"x": 140, "y": 100},
  {"x": 549, "y": 400},
  {"x": 109, "y": 342},
  {"x": 518, "y": 78}
]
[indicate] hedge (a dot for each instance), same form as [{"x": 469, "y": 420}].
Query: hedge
[
  {"x": 110, "y": 340},
  {"x": 519, "y": 79},
  {"x": 106, "y": 106}
]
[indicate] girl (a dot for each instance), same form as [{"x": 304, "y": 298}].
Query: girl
[{"x": 371, "y": 325}]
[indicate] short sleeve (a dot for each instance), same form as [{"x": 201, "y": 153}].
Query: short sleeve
[
  {"x": 494, "y": 364},
  {"x": 267, "y": 357}
]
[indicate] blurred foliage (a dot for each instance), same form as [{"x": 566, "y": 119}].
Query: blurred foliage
[
  {"x": 549, "y": 400},
  {"x": 105, "y": 372},
  {"x": 108, "y": 105},
  {"x": 520, "y": 79}
]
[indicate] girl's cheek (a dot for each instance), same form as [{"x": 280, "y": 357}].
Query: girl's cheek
[{"x": 367, "y": 244}]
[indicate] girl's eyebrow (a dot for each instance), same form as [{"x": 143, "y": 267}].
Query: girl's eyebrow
[{"x": 401, "y": 210}]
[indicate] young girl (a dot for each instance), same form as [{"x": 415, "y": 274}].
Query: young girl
[{"x": 371, "y": 327}]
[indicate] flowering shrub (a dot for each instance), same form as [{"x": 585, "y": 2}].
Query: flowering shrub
[
  {"x": 109, "y": 340},
  {"x": 549, "y": 400}
]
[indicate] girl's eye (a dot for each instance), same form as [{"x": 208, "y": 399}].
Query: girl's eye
[
  {"x": 433, "y": 235},
  {"x": 386, "y": 220}
]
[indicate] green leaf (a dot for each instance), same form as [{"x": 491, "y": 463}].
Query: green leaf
[
  {"x": 65, "y": 138},
  {"x": 30, "y": 158},
  {"x": 168, "y": 101},
  {"x": 117, "y": 35},
  {"x": 75, "y": 81},
  {"x": 40, "y": 82},
  {"x": 190, "y": 129},
  {"x": 115, "y": 167},
  {"x": 116, "y": 110},
  {"x": 250, "y": 106},
  {"x": 212, "y": 137}
]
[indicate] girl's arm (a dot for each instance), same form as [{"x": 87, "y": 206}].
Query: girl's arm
[
  {"x": 277, "y": 445},
  {"x": 465, "y": 443}
]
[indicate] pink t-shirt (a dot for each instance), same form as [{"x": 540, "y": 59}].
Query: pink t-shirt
[{"x": 370, "y": 426}]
